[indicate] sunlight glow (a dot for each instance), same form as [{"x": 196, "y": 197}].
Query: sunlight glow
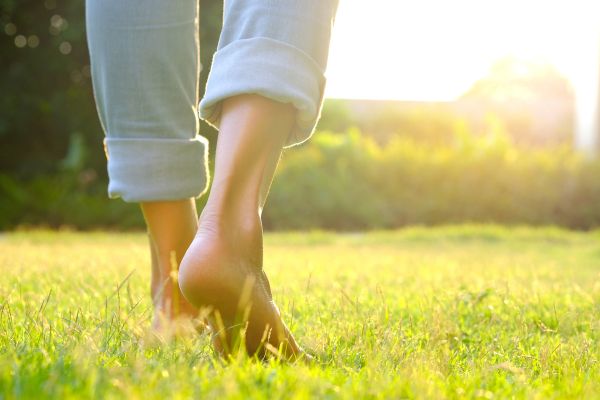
[{"x": 435, "y": 49}]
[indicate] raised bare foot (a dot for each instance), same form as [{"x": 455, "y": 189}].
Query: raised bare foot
[{"x": 222, "y": 273}]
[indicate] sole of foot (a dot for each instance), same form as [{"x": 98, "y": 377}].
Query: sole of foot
[{"x": 223, "y": 282}]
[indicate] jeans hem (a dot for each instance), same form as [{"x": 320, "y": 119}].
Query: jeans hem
[
  {"x": 152, "y": 169},
  {"x": 270, "y": 68}
]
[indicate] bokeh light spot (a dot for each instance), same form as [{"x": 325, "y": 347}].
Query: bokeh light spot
[
  {"x": 20, "y": 41},
  {"x": 65, "y": 48},
  {"x": 10, "y": 29},
  {"x": 56, "y": 21},
  {"x": 33, "y": 41}
]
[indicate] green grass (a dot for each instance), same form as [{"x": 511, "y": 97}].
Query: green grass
[{"x": 455, "y": 312}]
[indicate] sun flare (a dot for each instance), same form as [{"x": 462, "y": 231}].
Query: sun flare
[{"x": 435, "y": 50}]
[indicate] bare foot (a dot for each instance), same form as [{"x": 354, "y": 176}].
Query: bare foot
[
  {"x": 172, "y": 313},
  {"x": 222, "y": 269},
  {"x": 222, "y": 272}
]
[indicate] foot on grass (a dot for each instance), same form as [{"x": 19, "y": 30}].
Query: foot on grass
[
  {"x": 173, "y": 315},
  {"x": 222, "y": 274}
]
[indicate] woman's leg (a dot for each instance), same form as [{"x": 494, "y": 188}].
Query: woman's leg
[
  {"x": 264, "y": 92},
  {"x": 172, "y": 226},
  {"x": 225, "y": 259},
  {"x": 145, "y": 69}
]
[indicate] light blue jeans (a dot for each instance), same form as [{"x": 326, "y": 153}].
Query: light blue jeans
[{"x": 145, "y": 68}]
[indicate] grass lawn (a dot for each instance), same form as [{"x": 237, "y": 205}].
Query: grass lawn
[{"x": 454, "y": 312}]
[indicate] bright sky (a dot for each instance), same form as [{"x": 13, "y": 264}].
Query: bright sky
[{"x": 435, "y": 49}]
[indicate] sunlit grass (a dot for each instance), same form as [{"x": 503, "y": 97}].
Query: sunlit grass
[{"x": 471, "y": 311}]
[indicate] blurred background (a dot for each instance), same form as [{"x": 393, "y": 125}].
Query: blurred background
[{"x": 436, "y": 112}]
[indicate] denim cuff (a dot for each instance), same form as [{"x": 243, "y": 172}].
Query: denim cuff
[
  {"x": 151, "y": 169},
  {"x": 270, "y": 68}
]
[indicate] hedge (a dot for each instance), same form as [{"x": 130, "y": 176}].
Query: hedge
[{"x": 346, "y": 181}]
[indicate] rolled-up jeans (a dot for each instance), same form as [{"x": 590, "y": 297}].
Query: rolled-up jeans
[{"x": 145, "y": 72}]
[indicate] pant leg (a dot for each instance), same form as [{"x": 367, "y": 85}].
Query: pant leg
[
  {"x": 275, "y": 48},
  {"x": 145, "y": 66}
]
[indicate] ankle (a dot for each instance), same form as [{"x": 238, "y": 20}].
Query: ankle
[
  {"x": 228, "y": 213},
  {"x": 234, "y": 194},
  {"x": 233, "y": 233}
]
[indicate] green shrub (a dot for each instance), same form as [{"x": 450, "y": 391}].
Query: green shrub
[
  {"x": 350, "y": 182},
  {"x": 346, "y": 181}
]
